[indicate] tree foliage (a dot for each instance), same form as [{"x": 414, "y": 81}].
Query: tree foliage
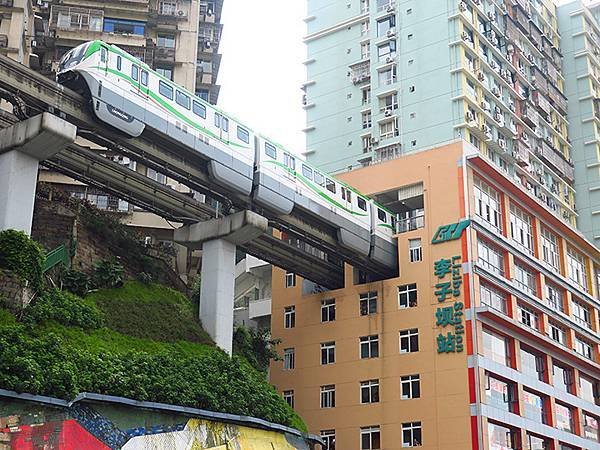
[
  {"x": 22, "y": 256},
  {"x": 256, "y": 346}
]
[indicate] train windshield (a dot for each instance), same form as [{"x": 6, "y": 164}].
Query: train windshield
[{"x": 72, "y": 57}]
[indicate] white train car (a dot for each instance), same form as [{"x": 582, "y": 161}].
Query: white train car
[{"x": 128, "y": 95}]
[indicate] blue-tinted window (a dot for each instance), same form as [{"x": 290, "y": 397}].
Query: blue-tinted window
[
  {"x": 118, "y": 63},
  {"x": 144, "y": 78},
  {"x": 165, "y": 90},
  {"x": 199, "y": 109},
  {"x": 203, "y": 94},
  {"x": 243, "y": 134},
  {"x": 124, "y": 26},
  {"x": 135, "y": 72},
  {"x": 225, "y": 124},
  {"x": 182, "y": 99},
  {"x": 270, "y": 150}
]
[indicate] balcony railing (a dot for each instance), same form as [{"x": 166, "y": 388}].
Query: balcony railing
[
  {"x": 386, "y": 5},
  {"x": 410, "y": 224},
  {"x": 360, "y": 72},
  {"x": 164, "y": 54}
]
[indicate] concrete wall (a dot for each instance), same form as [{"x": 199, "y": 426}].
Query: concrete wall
[{"x": 99, "y": 426}]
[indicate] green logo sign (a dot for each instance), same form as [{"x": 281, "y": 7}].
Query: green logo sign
[{"x": 450, "y": 232}]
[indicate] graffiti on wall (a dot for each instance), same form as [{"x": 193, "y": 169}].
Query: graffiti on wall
[{"x": 31, "y": 426}]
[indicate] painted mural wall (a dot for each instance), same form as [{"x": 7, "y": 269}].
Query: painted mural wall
[{"x": 33, "y": 426}]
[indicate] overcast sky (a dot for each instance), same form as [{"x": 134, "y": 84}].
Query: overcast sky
[{"x": 261, "y": 70}]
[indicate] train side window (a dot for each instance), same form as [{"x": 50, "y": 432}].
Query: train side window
[
  {"x": 362, "y": 203},
  {"x": 217, "y": 120},
  {"x": 319, "y": 179},
  {"x": 119, "y": 61},
  {"x": 165, "y": 90},
  {"x": 289, "y": 161},
  {"x": 243, "y": 135},
  {"x": 182, "y": 99},
  {"x": 199, "y": 109},
  {"x": 144, "y": 78},
  {"x": 103, "y": 54},
  {"x": 135, "y": 72},
  {"x": 225, "y": 124},
  {"x": 330, "y": 185},
  {"x": 382, "y": 215},
  {"x": 270, "y": 150},
  {"x": 307, "y": 172},
  {"x": 346, "y": 195}
]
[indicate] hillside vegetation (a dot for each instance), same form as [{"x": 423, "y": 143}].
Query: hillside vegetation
[{"x": 141, "y": 341}]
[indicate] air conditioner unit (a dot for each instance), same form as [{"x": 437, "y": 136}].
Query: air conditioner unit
[
  {"x": 492, "y": 36},
  {"x": 493, "y": 64},
  {"x": 497, "y": 117},
  {"x": 388, "y": 112},
  {"x": 481, "y": 76},
  {"x": 389, "y": 59},
  {"x": 462, "y": 6},
  {"x": 477, "y": 2},
  {"x": 391, "y": 8},
  {"x": 510, "y": 48},
  {"x": 464, "y": 36},
  {"x": 374, "y": 141},
  {"x": 496, "y": 91},
  {"x": 469, "y": 116},
  {"x": 484, "y": 105},
  {"x": 502, "y": 144},
  {"x": 181, "y": 13},
  {"x": 491, "y": 15},
  {"x": 530, "y": 58},
  {"x": 391, "y": 32}
]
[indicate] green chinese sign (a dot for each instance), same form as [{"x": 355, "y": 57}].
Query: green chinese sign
[
  {"x": 449, "y": 271},
  {"x": 450, "y": 232}
]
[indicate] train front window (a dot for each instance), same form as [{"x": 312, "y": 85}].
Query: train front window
[
  {"x": 72, "y": 57},
  {"x": 381, "y": 215}
]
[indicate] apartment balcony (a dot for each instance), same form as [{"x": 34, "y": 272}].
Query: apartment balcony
[
  {"x": 521, "y": 19},
  {"x": 549, "y": 155},
  {"x": 259, "y": 308},
  {"x": 360, "y": 72},
  {"x": 388, "y": 152},
  {"x": 410, "y": 223},
  {"x": 168, "y": 13},
  {"x": 3, "y": 41},
  {"x": 542, "y": 104},
  {"x": 520, "y": 153},
  {"x": 557, "y": 99},
  {"x": 7, "y": 3},
  {"x": 530, "y": 116}
]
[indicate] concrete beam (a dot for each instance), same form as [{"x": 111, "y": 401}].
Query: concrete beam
[
  {"x": 238, "y": 229},
  {"x": 22, "y": 146}
]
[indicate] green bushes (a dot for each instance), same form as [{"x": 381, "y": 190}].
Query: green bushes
[
  {"x": 48, "y": 365},
  {"x": 76, "y": 282},
  {"x": 256, "y": 346},
  {"x": 108, "y": 274},
  {"x": 23, "y": 256},
  {"x": 64, "y": 308}
]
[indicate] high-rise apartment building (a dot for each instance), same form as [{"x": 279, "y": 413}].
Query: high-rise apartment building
[
  {"x": 178, "y": 38},
  {"x": 392, "y": 77},
  {"x": 488, "y": 340},
  {"x": 579, "y": 26}
]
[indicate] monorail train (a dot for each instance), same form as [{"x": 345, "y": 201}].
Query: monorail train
[{"x": 128, "y": 95}]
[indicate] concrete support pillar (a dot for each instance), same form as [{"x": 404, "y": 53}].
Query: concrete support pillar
[
  {"x": 22, "y": 146},
  {"x": 218, "y": 239},
  {"x": 216, "y": 291}
]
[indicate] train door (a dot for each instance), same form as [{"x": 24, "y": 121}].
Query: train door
[
  {"x": 104, "y": 59},
  {"x": 135, "y": 77},
  {"x": 222, "y": 123},
  {"x": 290, "y": 162},
  {"x": 347, "y": 198}
]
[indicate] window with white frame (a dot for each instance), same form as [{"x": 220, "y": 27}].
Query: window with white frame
[
  {"x": 387, "y": 76},
  {"x": 492, "y": 298},
  {"x": 366, "y": 119},
  {"x": 389, "y": 129},
  {"x": 364, "y": 28},
  {"x": 388, "y": 102},
  {"x": 490, "y": 258},
  {"x": 583, "y": 347},
  {"x": 487, "y": 204},
  {"x": 550, "y": 252},
  {"x": 289, "y": 317},
  {"x": 289, "y": 359},
  {"x": 366, "y": 96},
  {"x": 415, "y": 251},
  {"x": 369, "y": 391},
  {"x": 369, "y": 346},
  {"x": 288, "y": 396},
  {"x": 290, "y": 279},
  {"x": 328, "y": 310},
  {"x": 367, "y": 143},
  {"x": 576, "y": 268},
  {"x": 521, "y": 229},
  {"x": 365, "y": 50},
  {"x": 328, "y": 437},
  {"x": 327, "y": 353},
  {"x": 407, "y": 296},
  {"x": 384, "y": 25},
  {"x": 328, "y": 396},
  {"x": 557, "y": 333},
  {"x": 411, "y": 434},
  {"x": 368, "y": 303},
  {"x": 410, "y": 387},
  {"x": 528, "y": 316},
  {"x": 370, "y": 438},
  {"x": 524, "y": 279},
  {"x": 409, "y": 340},
  {"x": 581, "y": 313},
  {"x": 554, "y": 297},
  {"x": 386, "y": 51}
]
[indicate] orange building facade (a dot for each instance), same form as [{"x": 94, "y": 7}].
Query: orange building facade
[{"x": 488, "y": 339}]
